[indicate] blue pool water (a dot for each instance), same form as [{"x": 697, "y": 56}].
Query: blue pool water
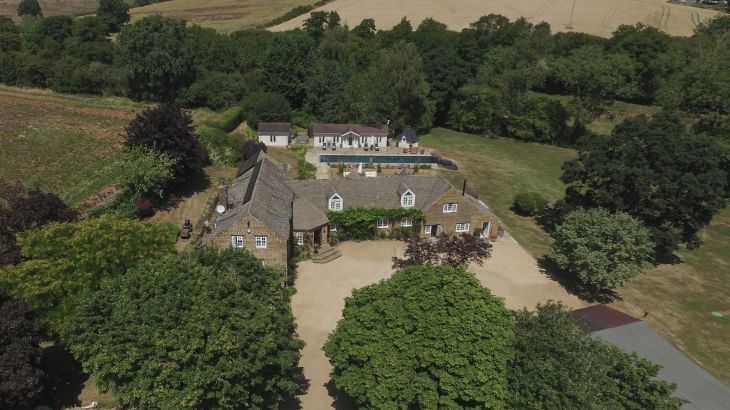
[{"x": 383, "y": 159}]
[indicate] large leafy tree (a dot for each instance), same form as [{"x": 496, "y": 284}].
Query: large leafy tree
[
  {"x": 21, "y": 380},
  {"x": 393, "y": 88},
  {"x": 22, "y": 209},
  {"x": 602, "y": 250},
  {"x": 207, "y": 330},
  {"x": 428, "y": 337},
  {"x": 155, "y": 58},
  {"x": 557, "y": 366},
  {"x": 286, "y": 66},
  {"x": 62, "y": 262},
  {"x": 657, "y": 171},
  {"x": 113, "y": 13},
  {"x": 29, "y": 8},
  {"x": 168, "y": 129}
]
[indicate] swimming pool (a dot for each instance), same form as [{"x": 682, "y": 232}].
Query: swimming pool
[{"x": 383, "y": 159}]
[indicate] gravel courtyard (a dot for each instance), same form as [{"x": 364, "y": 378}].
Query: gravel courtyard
[{"x": 510, "y": 273}]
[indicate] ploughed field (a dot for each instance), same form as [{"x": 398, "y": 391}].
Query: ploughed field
[
  {"x": 53, "y": 7},
  {"x": 223, "y": 15},
  {"x": 599, "y": 17}
]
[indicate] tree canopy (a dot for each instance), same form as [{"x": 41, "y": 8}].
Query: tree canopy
[
  {"x": 557, "y": 366},
  {"x": 602, "y": 250},
  {"x": 113, "y": 13},
  {"x": 657, "y": 171},
  {"x": 21, "y": 379},
  {"x": 62, "y": 262},
  {"x": 155, "y": 57},
  {"x": 22, "y": 209},
  {"x": 29, "y": 8},
  {"x": 208, "y": 330},
  {"x": 428, "y": 337},
  {"x": 168, "y": 129}
]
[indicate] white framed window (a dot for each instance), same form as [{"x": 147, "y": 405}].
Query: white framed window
[
  {"x": 299, "y": 236},
  {"x": 237, "y": 241},
  {"x": 462, "y": 227},
  {"x": 427, "y": 230},
  {"x": 406, "y": 221},
  {"x": 407, "y": 200},
  {"x": 333, "y": 228},
  {"x": 262, "y": 242},
  {"x": 450, "y": 207},
  {"x": 382, "y": 223},
  {"x": 335, "y": 203}
]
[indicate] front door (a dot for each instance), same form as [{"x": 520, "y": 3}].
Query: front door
[
  {"x": 436, "y": 230},
  {"x": 485, "y": 229},
  {"x": 349, "y": 140},
  {"x": 317, "y": 238}
]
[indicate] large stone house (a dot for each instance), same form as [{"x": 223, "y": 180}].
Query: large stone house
[
  {"x": 275, "y": 133},
  {"x": 268, "y": 213},
  {"x": 349, "y": 135}
]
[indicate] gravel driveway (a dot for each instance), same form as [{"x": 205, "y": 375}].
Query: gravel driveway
[{"x": 510, "y": 273}]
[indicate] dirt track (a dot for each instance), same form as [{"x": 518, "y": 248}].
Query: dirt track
[
  {"x": 599, "y": 17},
  {"x": 510, "y": 273}
]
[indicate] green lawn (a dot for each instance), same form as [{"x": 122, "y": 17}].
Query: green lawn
[
  {"x": 500, "y": 168},
  {"x": 679, "y": 297}
]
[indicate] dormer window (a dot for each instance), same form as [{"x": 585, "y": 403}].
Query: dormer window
[
  {"x": 335, "y": 203},
  {"x": 408, "y": 199}
]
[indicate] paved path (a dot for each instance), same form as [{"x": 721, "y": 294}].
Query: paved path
[{"x": 510, "y": 273}]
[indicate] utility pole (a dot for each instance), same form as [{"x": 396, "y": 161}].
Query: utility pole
[{"x": 570, "y": 22}]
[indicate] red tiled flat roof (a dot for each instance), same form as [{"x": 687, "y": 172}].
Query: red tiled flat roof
[{"x": 599, "y": 317}]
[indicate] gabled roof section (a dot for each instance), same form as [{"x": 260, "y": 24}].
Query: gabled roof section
[
  {"x": 274, "y": 127},
  {"x": 410, "y": 136},
  {"x": 340, "y": 129},
  {"x": 380, "y": 192},
  {"x": 307, "y": 216},
  {"x": 403, "y": 188},
  {"x": 260, "y": 191}
]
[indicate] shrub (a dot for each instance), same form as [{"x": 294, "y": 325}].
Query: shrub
[
  {"x": 208, "y": 330},
  {"x": 147, "y": 172},
  {"x": 529, "y": 203},
  {"x": 602, "y": 250},
  {"x": 168, "y": 129},
  {"x": 360, "y": 223},
  {"x": 429, "y": 337}
]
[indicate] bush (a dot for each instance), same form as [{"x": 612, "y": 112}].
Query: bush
[
  {"x": 208, "y": 330},
  {"x": 147, "y": 173},
  {"x": 602, "y": 250},
  {"x": 429, "y": 337},
  {"x": 169, "y": 130},
  {"x": 360, "y": 223},
  {"x": 529, "y": 203},
  {"x": 223, "y": 148}
]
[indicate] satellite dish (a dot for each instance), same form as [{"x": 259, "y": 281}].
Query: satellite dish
[{"x": 220, "y": 209}]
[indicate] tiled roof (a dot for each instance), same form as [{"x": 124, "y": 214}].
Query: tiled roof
[
  {"x": 307, "y": 216},
  {"x": 275, "y": 127},
  {"x": 381, "y": 192},
  {"x": 410, "y": 135},
  {"x": 259, "y": 190},
  {"x": 340, "y": 129}
]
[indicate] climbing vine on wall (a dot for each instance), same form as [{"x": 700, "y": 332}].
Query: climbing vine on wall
[{"x": 361, "y": 223}]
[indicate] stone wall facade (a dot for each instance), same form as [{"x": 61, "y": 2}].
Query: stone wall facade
[
  {"x": 275, "y": 254},
  {"x": 465, "y": 213}
]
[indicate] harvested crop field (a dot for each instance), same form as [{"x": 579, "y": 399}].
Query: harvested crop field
[
  {"x": 599, "y": 17},
  {"x": 53, "y": 7},
  {"x": 223, "y": 15},
  {"x": 65, "y": 144}
]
